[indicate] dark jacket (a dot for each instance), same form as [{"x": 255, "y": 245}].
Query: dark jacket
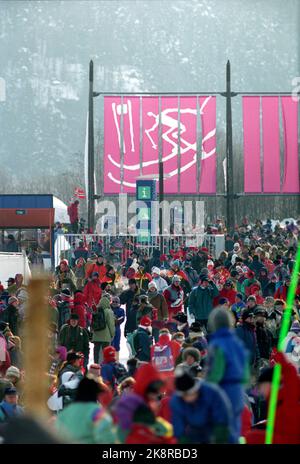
[
  {"x": 131, "y": 321},
  {"x": 12, "y": 317},
  {"x": 142, "y": 344},
  {"x": 74, "y": 338},
  {"x": 247, "y": 334},
  {"x": 127, "y": 296},
  {"x": 201, "y": 301},
  {"x": 264, "y": 341}
]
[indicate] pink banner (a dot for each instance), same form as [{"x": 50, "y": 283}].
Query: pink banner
[
  {"x": 112, "y": 145},
  {"x": 251, "y": 125},
  {"x": 131, "y": 137},
  {"x": 290, "y": 130},
  {"x": 271, "y": 144},
  {"x": 150, "y": 112},
  {"x": 188, "y": 144},
  {"x": 207, "y": 107},
  {"x": 169, "y": 123}
]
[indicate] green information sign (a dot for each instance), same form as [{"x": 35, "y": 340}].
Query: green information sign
[{"x": 144, "y": 193}]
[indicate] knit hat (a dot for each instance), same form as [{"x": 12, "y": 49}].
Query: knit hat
[
  {"x": 203, "y": 278},
  {"x": 223, "y": 301},
  {"x": 176, "y": 262},
  {"x": 152, "y": 285},
  {"x": 13, "y": 371},
  {"x": 295, "y": 327},
  {"x": 185, "y": 383},
  {"x": 239, "y": 295},
  {"x": 94, "y": 370},
  {"x": 74, "y": 317},
  {"x": 10, "y": 391},
  {"x": 155, "y": 270},
  {"x": 181, "y": 318},
  {"x": 145, "y": 322},
  {"x": 195, "y": 327},
  {"x": 220, "y": 318},
  {"x": 109, "y": 354},
  {"x": 62, "y": 350},
  {"x": 73, "y": 356},
  {"x": 260, "y": 311},
  {"x": 247, "y": 313},
  {"x": 176, "y": 278}
]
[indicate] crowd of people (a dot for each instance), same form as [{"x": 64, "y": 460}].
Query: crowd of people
[{"x": 201, "y": 333}]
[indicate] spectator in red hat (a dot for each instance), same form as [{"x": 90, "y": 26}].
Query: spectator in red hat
[{"x": 111, "y": 370}]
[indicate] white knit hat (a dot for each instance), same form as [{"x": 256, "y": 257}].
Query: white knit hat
[{"x": 155, "y": 270}]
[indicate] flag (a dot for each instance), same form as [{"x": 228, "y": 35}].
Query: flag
[{"x": 79, "y": 193}]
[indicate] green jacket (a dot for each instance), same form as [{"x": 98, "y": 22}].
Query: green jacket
[
  {"x": 107, "y": 334},
  {"x": 86, "y": 423},
  {"x": 74, "y": 338},
  {"x": 201, "y": 301}
]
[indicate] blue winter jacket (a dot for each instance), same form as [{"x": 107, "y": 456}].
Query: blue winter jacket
[{"x": 196, "y": 422}]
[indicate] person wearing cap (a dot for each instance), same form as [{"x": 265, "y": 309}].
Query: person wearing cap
[
  {"x": 11, "y": 286},
  {"x": 9, "y": 405},
  {"x": 174, "y": 296},
  {"x": 263, "y": 335},
  {"x": 102, "y": 337},
  {"x": 160, "y": 282},
  {"x": 227, "y": 364},
  {"x": 75, "y": 338},
  {"x": 142, "y": 340},
  {"x": 182, "y": 324},
  {"x": 201, "y": 300},
  {"x": 238, "y": 306},
  {"x": 92, "y": 290},
  {"x": 119, "y": 314},
  {"x": 159, "y": 303},
  {"x": 200, "y": 411},
  {"x": 287, "y": 420},
  {"x": 111, "y": 370},
  {"x": 12, "y": 378},
  {"x": 246, "y": 332},
  {"x": 99, "y": 265}
]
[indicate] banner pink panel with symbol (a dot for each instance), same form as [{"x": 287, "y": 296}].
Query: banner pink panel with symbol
[
  {"x": 271, "y": 144},
  {"x": 150, "y": 112},
  {"x": 251, "y": 125},
  {"x": 188, "y": 145},
  {"x": 208, "y": 166},
  {"x": 290, "y": 132},
  {"x": 112, "y": 140}
]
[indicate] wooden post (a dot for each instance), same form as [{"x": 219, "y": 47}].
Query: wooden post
[{"x": 36, "y": 348}]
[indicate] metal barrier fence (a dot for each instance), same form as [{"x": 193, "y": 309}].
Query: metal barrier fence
[{"x": 66, "y": 244}]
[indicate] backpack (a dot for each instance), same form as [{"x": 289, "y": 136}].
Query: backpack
[
  {"x": 130, "y": 343},
  {"x": 99, "y": 320},
  {"x": 162, "y": 358}
]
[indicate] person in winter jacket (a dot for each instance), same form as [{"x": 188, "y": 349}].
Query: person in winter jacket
[
  {"x": 227, "y": 364},
  {"x": 103, "y": 337},
  {"x": 79, "y": 272},
  {"x": 65, "y": 277},
  {"x": 238, "y": 306},
  {"x": 292, "y": 345},
  {"x": 200, "y": 411},
  {"x": 263, "y": 335},
  {"x": 111, "y": 370},
  {"x": 226, "y": 292},
  {"x": 142, "y": 278},
  {"x": 201, "y": 300},
  {"x": 81, "y": 252},
  {"x": 191, "y": 358},
  {"x": 75, "y": 338},
  {"x": 64, "y": 307},
  {"x": 282, "y": 291},
  {"x": 74, "y": 216},
  {"x": 131, "y": 319},
  {"x": 79, "y": 308},
  {"x": 145, "y": 309},
  {"x": 142, "y": 340},
  {"x": 137, "y": 413},
  {"x": 119, "y": 314},
  {"x": 256, "y": 266},
  {"x": 246, "y": 332},
  {"x": 12, "y": 315},
  {"x": 287, "y": 420},
  {"x": 159, "y": 303},
  {"x": 164, "y": 354},
  {"x": 174, "y": 296},
  {"x": 99, "y": 265},
  {"x": 160, "y": 282},
  {"x": 92, "y": 290},
  {"x": 192, "y": 275},
  {"x": 264, "y": 281},
  {"x": 127, "y": 296},
  {"x": 9, "y": 406},
  {"x": 72, "y": 364},
  {"x": 250, "y": 280},
  {"x": 85, "y": 421}
]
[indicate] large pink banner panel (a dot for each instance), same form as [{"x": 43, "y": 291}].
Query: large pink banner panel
[
  {"x": 131, "y": 138},
  {"x": 290, "y": 131},
  {"x": 207, "y": 106},
  {"x": 112, "y": 140},
  {"x": 251, "y": 126},
  {"x": 150, "y": 114},
  {"x": 188, "y": 145},
  {"x": 271, "y": 144},
  {"x": 169, "y": 123}
]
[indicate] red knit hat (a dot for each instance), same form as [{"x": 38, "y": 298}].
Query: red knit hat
[
  {"x": 145, "y": 321},
  {"x": 109, "y": 354},
  {"x": 144, "y": 376}
]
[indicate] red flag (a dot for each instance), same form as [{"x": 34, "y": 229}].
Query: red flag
[{"x": 79, "y": 193}]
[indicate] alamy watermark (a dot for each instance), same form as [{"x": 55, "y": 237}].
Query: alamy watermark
[{"x": 138, "y": 217}]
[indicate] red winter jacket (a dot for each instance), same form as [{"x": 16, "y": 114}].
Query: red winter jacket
[
  {"x": 224, "y": 293},
  {"x": 92, "y": 292},
  {"x": 73, "y": 212},
  {"x": 281, "y": 292},
  {"x": 80, "y": 308}
]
